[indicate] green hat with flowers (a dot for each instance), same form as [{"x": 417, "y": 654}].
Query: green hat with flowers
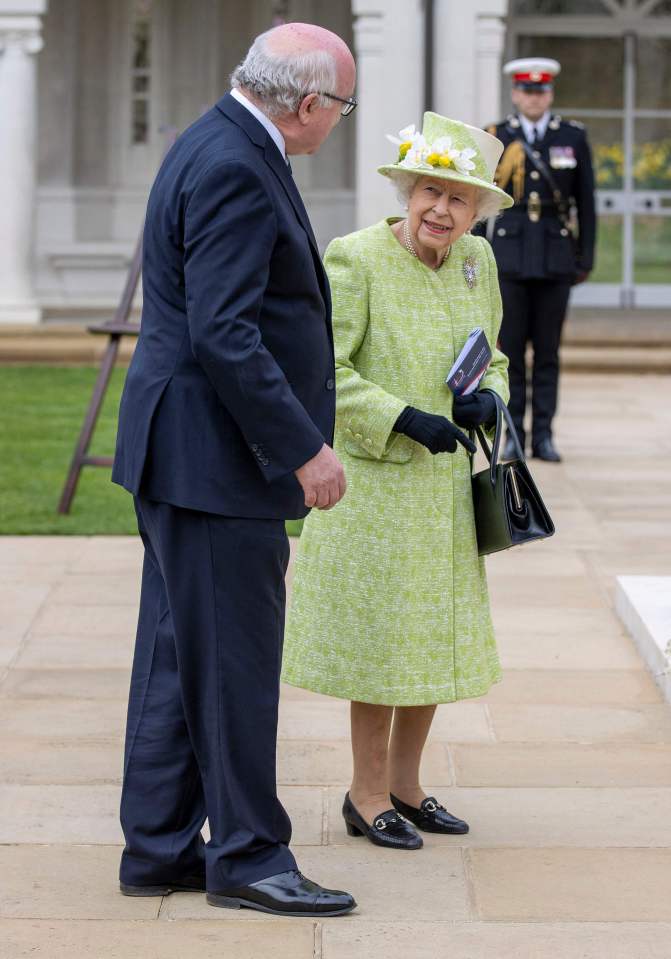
[{"x": 450, "y": 150}]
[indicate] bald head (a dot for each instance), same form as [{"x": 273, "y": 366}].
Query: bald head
[
  {"x": 298, "y": 74},
  {"x": 288, "y": 62},
  {"x": 294, "y": 39}
]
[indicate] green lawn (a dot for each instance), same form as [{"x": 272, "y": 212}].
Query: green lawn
[
  {"x": 652, "y": 249},
  {"x": 42, "y": 411}
]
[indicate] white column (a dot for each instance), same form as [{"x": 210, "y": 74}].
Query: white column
[
  {"x": 490, "y": 37},
  {"x": 20, "y": 41},
  {"x": 388, "y": 47},
  {"x": 468, "y": 43}
]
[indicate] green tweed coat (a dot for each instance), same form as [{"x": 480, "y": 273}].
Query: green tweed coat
[{"x": 390, "y": 600}]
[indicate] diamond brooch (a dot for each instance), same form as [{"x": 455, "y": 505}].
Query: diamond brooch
[{"x": 471, "y": 271}]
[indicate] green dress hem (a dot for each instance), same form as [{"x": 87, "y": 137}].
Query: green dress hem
[{"x": 325, "y": 689}]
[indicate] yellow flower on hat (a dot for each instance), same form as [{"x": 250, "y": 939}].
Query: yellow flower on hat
[{"x": 450, "y": 150}]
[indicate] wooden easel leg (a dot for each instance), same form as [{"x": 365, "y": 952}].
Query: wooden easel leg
[{"x": 84, "y": 441}]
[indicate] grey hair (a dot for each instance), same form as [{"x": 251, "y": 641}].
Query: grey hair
[
  {"x": 280, "y": 81},
  {"x": 487, "y": 203}
]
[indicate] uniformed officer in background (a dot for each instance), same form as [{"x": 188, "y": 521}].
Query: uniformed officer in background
[{"x": 544, "y": 244}]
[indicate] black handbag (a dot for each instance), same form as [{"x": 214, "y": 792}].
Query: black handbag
[{"x": 508, "y": 508}]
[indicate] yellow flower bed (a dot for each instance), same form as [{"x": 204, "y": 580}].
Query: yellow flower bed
[{"x": 651, "y": 167}]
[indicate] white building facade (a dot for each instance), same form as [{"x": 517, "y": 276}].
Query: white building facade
[{"x": 88, "y": 89}]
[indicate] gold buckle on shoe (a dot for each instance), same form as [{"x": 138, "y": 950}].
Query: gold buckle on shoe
[
  {"x": 430, "y": 806},
  {"x": 380, "y": 824}
]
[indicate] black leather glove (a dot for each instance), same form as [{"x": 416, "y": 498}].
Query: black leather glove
[
  {"x": 434, "y": 432},
  {"x": 476, "y": 409}
]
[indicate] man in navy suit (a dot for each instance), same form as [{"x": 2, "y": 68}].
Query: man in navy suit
[{"x": 225, "y": 428}]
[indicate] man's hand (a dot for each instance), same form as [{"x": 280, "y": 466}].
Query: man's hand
[
  {"x": 580, "y": 277},
  {"x": 323, "y": 479}
]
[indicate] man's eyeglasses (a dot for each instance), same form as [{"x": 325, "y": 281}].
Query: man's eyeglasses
[{"x": 350, "y": 103}]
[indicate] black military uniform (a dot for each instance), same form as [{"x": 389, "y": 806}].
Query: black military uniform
[{"x": 538, "y": 256}]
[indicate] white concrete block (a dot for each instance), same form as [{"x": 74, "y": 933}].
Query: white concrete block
[{"x": 643, "y": 603}]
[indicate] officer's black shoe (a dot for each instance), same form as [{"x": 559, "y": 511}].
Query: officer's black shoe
[
  {"x": 544, "y": 450},
  {"x": 509, "y": 450},
  {"x": 285, "y": 894}
]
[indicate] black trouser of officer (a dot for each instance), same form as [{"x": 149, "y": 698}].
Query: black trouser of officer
[
  {"x": 202, "y": 714},
  {"x": 533, "y": 310}
]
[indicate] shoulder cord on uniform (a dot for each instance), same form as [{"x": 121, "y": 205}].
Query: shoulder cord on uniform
[{"x": 511, "y": 166}]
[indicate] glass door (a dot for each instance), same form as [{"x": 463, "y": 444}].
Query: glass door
[
  {"x": 651, "y": 170},
  {"x": 616, "y": 79}
]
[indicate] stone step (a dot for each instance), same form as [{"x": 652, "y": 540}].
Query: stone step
[
  {"x": 58, "y": 343},
  {"x": 646, "y": 351},
  {"x": 615, "y": 359}
]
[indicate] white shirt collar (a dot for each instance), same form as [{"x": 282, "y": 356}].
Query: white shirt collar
[
  {"x": 277, "y": 137},
  {"x": 541, "y": 125}
]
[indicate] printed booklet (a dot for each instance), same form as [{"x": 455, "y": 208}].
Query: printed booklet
[{"x": 471, "y": 364}]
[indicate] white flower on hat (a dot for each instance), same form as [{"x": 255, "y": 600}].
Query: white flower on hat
[
  {"x": 414, "y": 153},
  {"x": 406, "y": 135},
  {"x": 463, "y": 161}
]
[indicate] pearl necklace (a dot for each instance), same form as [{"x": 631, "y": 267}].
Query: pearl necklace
[{"x": 408, "y": 244}]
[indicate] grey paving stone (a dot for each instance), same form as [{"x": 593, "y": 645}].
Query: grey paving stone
[
  {"x": 114, "y": 939},
  {"x": 101, "y": 589},
  {"x": 382, "y": 881},
  {"x": 41, "y": 550},
  {"x": 77, "y": 651},
  {"x": 329, "y": 719},
  {"x": 408, "y": 938},
  {"x": 596, "y": 724},
  {"x": 110, "y": 554},
  {"x": 64, "y": 719},
  {"x": 575, "y": 687},
  {"x": 573, "y": 885},
  {"x": 65, "y": 882},
  {"x": 85, "y": 814},
  {"x": 35, "y": 762},
  {"x": 77, "y": 620},
  {"x": 330, "y": 763},
  {"x": 20, "y": 604},
  {"x": 62, "y": 683},
  {"x": 556, "y": 764},
  {"x": 561, "y": 817}
]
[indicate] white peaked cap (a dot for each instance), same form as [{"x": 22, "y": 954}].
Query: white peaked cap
[{"x": 532, "y": 65}]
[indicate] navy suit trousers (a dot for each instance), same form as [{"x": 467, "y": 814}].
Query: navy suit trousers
[
  {"x": 202, "y": 715},
  {"x": 533, "y": 310}
]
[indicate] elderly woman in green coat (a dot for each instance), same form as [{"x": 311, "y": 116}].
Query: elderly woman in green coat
[{"x": 390, "y": 607}]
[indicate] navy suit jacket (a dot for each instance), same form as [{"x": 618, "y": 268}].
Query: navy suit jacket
[{"x": 232, "y": 384}]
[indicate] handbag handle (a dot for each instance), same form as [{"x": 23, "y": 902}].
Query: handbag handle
[{"x": 502, "y": 413}]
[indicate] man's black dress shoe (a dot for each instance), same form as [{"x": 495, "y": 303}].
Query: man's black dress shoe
[
  {"x": 286, "y": 894},
  {"x": 185, "y": 884},
  {"x": 544, "y": 450},
  {"x": 388, "y": 829},
  {"x": 431, "y": 817}
]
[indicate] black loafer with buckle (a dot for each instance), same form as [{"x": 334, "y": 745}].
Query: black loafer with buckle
[
  {"x": 389, "y": 828},
  {"x": 431, "y": 817}
]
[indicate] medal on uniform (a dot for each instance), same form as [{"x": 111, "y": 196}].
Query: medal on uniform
[
  {"x": 470, "y": 271},
  {"x": 562, "y": 158}
]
